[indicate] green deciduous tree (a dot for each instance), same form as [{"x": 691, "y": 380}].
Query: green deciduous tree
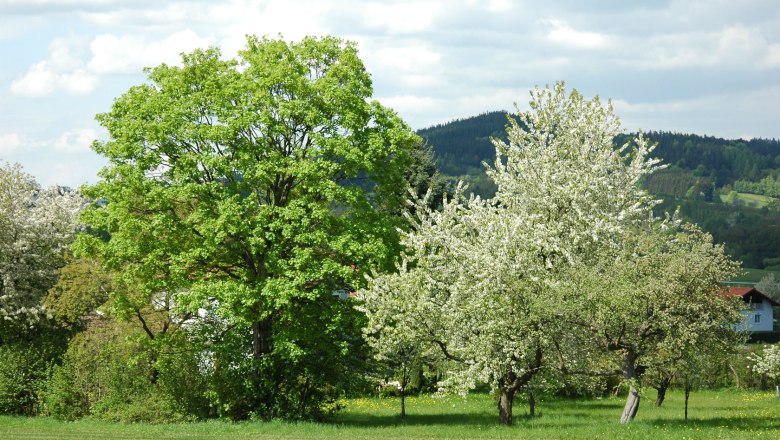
[
  {"x": 769, "y": 286},
  {"x": 251, "y": 188},
  {"x": 481, "y": 279},
  {"x": 82, "y": 286}
]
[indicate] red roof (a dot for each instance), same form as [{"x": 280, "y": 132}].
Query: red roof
[
  {"x": 744, "y": 291},
  {"x": 739, "y": 291}
]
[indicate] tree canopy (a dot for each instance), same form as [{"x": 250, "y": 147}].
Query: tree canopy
[
  {"x": 480, "y": 278},
  {"x": 250, "y": 189}
]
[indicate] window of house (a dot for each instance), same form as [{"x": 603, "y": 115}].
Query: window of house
[{"x": 757, "y": 319}]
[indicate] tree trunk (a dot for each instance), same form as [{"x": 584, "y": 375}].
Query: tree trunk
[
  {"x": 687, "y": 393},
  {"x": 632, "y": 406},
  {"x": 403, "y": 402},
  {"x": 505, "y": 401},
  {"x": 631, "y": 376},
  {"x": 531, "y": 401},
  {"x": 736, "y": 376},
  {"x": 262, "y": 338},
  {"x": 510, "y": 383},
  {"x": 262, "y": 345},
  {"x": 662, "y": 387}
]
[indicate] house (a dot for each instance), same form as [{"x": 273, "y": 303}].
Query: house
[{"x": 759, "y": 316}]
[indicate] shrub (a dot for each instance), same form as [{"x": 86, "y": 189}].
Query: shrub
[
  {"x": 25, "y": 367},
  {"x": 111, "y": 371}
]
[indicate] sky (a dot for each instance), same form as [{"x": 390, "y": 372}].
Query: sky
[{"x": 709, "y": 67}]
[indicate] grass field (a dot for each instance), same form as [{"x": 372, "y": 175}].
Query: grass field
[
  {"x": 713, "y": 415},
  {"x": 752, "y": 200},
  {"x": 752, "y": 276}
]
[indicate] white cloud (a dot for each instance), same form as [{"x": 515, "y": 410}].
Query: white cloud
[
  {"x": 43, "y": 79},
  {"x": 563, "y": 34},
  {"x": 293, "y": 20},
  {"x": 401, "y": 17},
  {"x": 10, "y": 142},
  {"x": 772, "y": 58},
  {"x": 63, "y": 70},
  {"x": 499, "y": 5},
  {"x": 75, "y": 64},
  {"x": 77, "y": 140},
  {"x": 71, "y": 173},
  {"x": 410, "y": 103},
  {"x": 408, "y": 58},
  {"x": 710, "y": 114},
  {"x": 734, "y": 47},
  {"x": 430, "y": 110},
  {"x": 131, "y": 53}
]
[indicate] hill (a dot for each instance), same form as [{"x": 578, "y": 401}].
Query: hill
[{"x": 731, "y": 187}]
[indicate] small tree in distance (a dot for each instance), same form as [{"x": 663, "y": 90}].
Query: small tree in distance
[{"x": 768, "y": 362}]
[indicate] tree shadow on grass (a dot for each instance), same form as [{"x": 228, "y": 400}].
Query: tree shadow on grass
[
  {"x": 445, "y": 419},
  {"x": 736, "y": 422},
  {"x": 449, "y": 421},
  {"x": 568, "y": 405}
]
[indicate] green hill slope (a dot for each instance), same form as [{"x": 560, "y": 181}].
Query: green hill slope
[{"x": 729, "y": 187}]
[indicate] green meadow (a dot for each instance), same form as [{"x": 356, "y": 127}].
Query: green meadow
[
  {"x": 723, "y": 414},
  {"x": 752, "y": 276},
  {"x": 752, "y": 200}
]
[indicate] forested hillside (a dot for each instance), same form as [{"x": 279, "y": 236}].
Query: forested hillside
[{"x": 729, "y": 187}]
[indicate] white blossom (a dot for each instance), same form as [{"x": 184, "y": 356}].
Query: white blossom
[
  {"x": 36, "y": 225},
  {"x": 478, "y": 280}
]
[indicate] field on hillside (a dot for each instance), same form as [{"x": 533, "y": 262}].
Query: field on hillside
[
  {"x": 713, "y": 415},
  {"x": 752, "y": 200},
  {"x": 752, "y": 276}
]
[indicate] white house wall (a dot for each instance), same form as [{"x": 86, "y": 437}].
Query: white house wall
[{"x": 763, "y": 323}]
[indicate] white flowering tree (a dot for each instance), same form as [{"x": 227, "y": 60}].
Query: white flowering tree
[
  {"x": 36, "y": 225},
  {"x": 768, "y": 362},
  {"x": 480, "y": 280},
  {"x": 654, "y": 304}
]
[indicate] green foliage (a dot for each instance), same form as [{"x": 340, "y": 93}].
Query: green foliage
[
  {"x": 462, "y": 145},
  {"x": 305, "y": 376},
  {"x": 726, "y": 160},
  {"x": 107, "y": 373},
  {"x": 749, "y": 234},
  {"x": 768, "y": 186},
  {"x": 676, "y": 183},
  {"x": 253, "y": 188},
  {"x": 82, "y": 286},
  {"x": 26, "y": 364}
]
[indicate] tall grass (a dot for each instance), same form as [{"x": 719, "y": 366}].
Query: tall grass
[{"x": 724, "y": 414}]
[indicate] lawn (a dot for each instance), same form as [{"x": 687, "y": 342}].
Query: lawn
[{"x": 713, "y": 414}]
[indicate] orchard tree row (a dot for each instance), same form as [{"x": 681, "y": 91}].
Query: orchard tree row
[{"x": 197, "y": 278}]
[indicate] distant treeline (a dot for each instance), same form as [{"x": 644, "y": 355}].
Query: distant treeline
[
  {"x": 700, "y": 169},
  {"x": 461, "y": 145},
  {"x": 723, "y": 160},
  {"x": 768, "y": 186}
]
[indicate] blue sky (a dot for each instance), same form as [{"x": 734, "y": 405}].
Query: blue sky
[{"x": 705, "y": 67}]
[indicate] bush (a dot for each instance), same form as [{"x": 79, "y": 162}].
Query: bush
[
  {"x": 111, "y": 371},
  {"x": 63, "y": 399},
  {"x": 25, "y": 367}
]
